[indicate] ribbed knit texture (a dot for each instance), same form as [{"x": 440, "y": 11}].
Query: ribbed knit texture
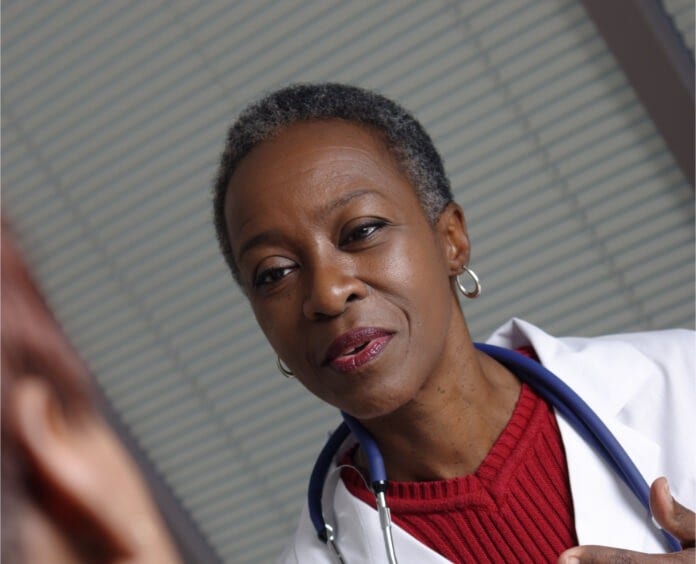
[{"x": 516, "y": 507}]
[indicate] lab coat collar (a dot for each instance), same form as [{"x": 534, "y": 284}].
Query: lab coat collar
[{"x": 583, "y": 364}]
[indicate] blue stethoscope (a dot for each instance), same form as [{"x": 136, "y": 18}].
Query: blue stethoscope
[{"x": 571, "y": 407}]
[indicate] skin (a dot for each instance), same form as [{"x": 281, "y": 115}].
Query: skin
[
  {"x": 329, "y": 236},
  {"x": 89, "y": 502}
]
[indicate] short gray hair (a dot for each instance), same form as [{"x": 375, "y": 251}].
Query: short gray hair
[{"x": 404, "y": 137}]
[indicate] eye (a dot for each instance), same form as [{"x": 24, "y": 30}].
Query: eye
[
  {"x": 362, "y": 231},
  {"x": 271, "y": 275}
]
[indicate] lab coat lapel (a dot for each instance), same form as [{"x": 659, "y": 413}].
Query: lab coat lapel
[
  {"x": 606, "y": 512},
  {"x": 607, "y": 376}
]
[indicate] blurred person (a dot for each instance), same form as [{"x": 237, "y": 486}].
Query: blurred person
[{"x": 70, "y": 491}]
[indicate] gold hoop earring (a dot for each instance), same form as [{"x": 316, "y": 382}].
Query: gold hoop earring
[
  {"x": 284, "y": 370},
  {"x": 471, "y": 294}
]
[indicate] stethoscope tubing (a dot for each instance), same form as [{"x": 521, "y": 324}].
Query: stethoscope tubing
[
  {"x": 319, "y": 473},
  {"x": 375, "y": 463},
  {"x": 551, "y": 388}
]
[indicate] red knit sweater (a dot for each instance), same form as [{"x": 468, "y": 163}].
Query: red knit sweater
[{"x": 516, "y": 507}]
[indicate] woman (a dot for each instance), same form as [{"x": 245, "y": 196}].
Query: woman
[
  {"x": 70, "y": 492},
  {"x": 336, "y": 218}
]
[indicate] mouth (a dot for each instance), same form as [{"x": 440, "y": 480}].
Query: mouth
[{"x": 353, "y": 349}]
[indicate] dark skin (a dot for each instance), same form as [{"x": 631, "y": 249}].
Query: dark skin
[{"x": 330, "y": 236}]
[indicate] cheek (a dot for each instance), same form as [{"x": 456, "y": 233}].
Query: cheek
[
  {"x": 421, "y": 280},
  {"x": 416, "y": 270},
  {"x": 275, "y": 318}
]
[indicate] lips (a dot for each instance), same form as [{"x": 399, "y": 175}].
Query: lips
[{"x": 355, "y": 348}]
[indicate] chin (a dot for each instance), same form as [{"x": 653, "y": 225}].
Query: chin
[{"x": 376, "y": 407}]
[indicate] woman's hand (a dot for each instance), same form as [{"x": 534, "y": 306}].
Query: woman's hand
[{"x": 672, "y": 517}]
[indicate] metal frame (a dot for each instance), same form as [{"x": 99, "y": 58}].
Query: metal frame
[{"x": 658, "y": 64}]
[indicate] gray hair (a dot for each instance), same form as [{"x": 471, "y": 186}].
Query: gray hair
[{"x": 402, "y": 134}]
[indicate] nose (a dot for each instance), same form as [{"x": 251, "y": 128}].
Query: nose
[{"x": 332, "y": 288}]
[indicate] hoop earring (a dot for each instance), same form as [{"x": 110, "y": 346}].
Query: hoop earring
[
  {"x": 477, "y": 285},
  {"x": 284, "y": 370}
]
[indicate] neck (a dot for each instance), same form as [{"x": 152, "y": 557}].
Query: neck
[{"x": 448, "y": 429}]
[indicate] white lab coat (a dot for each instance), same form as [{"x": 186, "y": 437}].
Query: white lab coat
[{"x": 642, "y": 385}]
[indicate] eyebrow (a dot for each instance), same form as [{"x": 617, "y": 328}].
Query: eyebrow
[
  {"x": 345, "y": 200},
  {"x": 275, "y": 237},
  {"x": 265, "y": 238}
]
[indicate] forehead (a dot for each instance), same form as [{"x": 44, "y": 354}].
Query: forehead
[
  {"x": 308, "y": 164},
  {"x": 307, "y": 146}
]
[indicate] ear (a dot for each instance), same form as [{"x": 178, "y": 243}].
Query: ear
[
  {"x": 451, "y": 226},
  {"x": 82, "y": 473}
]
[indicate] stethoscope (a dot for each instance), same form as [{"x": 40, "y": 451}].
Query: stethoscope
[{"x": 571, "y": 407}]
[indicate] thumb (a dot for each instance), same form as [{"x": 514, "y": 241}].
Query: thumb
[{"x": 672, "y": 516}]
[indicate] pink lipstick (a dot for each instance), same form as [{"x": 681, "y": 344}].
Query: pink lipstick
[{"x": 355, "y": 348}]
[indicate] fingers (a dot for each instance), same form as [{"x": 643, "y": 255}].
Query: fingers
[
  {"x": 590, "y": 554},
  {"x": 672, "y": 516}
]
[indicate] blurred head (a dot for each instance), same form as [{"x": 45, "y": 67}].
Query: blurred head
[
  {"x": 70, "y": 492},
  {"x": 406, "y": 140}
]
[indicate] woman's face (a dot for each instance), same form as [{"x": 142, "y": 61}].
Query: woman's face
[{"x": 347, "y": 279}]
